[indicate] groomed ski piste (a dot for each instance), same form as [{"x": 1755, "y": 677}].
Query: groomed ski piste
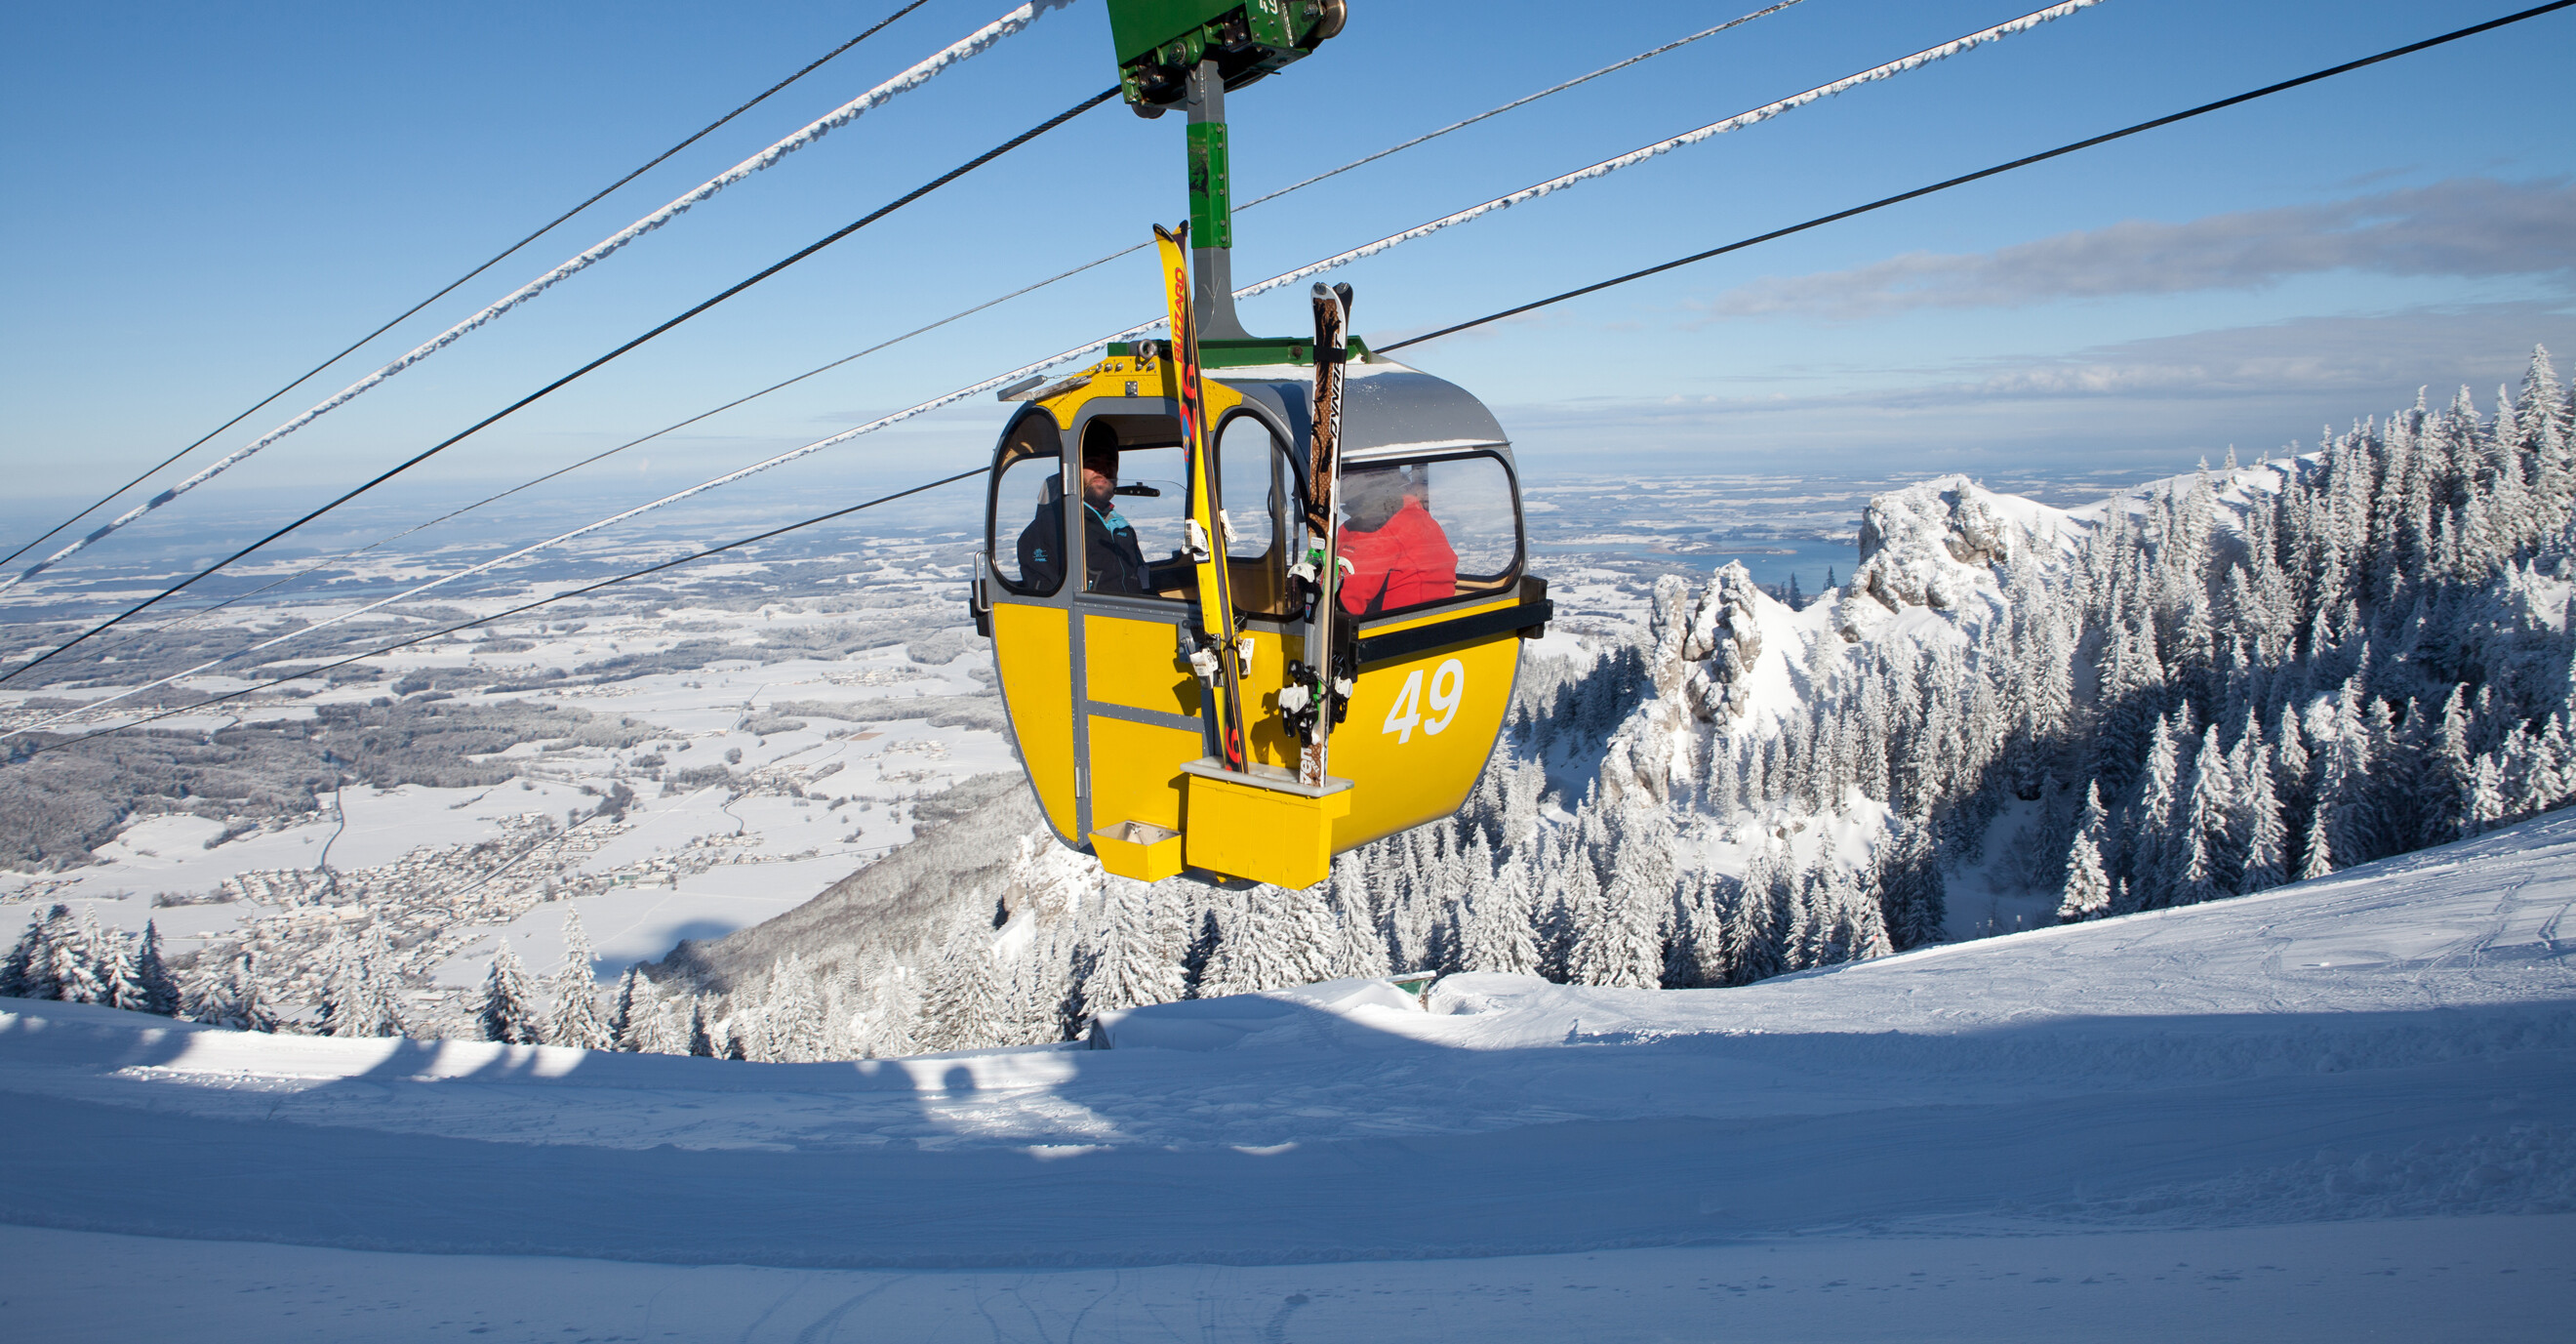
[{"x": 2342, "y": 1109}]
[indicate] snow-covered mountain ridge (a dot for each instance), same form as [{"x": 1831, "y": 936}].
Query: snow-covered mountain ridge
[{"x": 2196, "y": 689}]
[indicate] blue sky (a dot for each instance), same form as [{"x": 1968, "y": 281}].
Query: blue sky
[{"x": 207, "y": 199}]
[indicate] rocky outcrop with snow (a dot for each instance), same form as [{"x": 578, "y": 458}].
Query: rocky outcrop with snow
[
  {"x": 1936, "y": 545},
  {"x": 1705, "y": 646},
  {"x": 1730, "y": 662}
]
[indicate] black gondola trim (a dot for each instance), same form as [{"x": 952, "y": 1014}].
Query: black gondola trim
[{"x": 1527, "y": 619}]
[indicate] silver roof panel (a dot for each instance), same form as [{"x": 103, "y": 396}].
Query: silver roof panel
[{"x": 1388, "y": 409}]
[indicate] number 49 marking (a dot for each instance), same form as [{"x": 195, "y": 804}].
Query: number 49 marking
[{"x": 1448, "y": 691}]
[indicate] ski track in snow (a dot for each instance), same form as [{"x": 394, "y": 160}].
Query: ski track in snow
[{"x": 2224, "y": 1104}]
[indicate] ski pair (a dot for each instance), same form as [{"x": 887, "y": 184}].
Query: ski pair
[
  {"x": 1223, "y": 651},
  {"x": 1317, "y": 690}
]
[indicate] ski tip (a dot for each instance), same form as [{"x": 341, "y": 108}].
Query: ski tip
[{"x": 1165, "y": 235}]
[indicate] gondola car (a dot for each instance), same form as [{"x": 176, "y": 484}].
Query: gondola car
[{"x": 1107, "y": 664}]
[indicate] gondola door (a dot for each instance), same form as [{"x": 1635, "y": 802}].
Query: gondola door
[
  {"x": 1141, "y": 708},
  {"x": 1024, "y": 602}
]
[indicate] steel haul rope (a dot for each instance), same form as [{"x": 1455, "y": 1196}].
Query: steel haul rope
[
  {"x": 496, "y": 259},
  {"x": 1983, "y": 173},
  {"x": 2060, "y": 151},
  {"x": 425, "y": 454},
  {"x": 972, "y": 44}
]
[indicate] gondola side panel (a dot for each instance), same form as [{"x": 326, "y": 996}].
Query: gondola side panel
[
  {"x": 1419, "y": 733},
  {"x": 1134, "y": 671},
  {"x": 1032, "y": 649}
]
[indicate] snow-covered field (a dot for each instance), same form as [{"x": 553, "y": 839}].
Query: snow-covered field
[
  {"x": 757, "y": 747},
  {"x": 2341, "y": 1109}
]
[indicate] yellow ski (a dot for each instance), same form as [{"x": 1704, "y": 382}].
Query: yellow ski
[{"x": 1216, "y": 659}]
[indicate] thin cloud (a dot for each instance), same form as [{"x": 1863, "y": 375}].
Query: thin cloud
[
  {"x": 2345, "y": 366},
  {"x": 2471, "y": 226}
]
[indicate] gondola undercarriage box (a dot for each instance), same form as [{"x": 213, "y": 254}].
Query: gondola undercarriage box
[{"x": 1263, "y": 825}]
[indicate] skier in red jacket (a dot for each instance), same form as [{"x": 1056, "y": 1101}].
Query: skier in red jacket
[{"x": 1398, "y": 554}]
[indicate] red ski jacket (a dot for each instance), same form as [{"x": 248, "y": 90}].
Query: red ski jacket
[{"x": 1405, "y": 562}]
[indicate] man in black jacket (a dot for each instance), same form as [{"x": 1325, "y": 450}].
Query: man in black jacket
[{"x": 1116, "y": 561}]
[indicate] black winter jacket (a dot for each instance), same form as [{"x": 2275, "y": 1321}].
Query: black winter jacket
[{"x": 1117, "y": 563}]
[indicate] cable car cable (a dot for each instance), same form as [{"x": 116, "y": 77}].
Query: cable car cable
[
  {"x": 1983, "y": 173},
  {"x": 738, "y": 287},
  {"x": 1076, "y": 352},
  {"x": 1739, "y": 121},
  {"x": 918, "y": 74},
  {"x": 1522, "y": 101},
  {"x": 483, "y": 620},
  {"x": 2170, "y": 119},
  {"x": 495, "y": 259},
  {"x": 1989, "y": 172},
  {"x": 1526, "y": 99}
]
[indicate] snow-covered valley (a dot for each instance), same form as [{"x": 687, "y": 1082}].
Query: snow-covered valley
[{"x": 2340, "y": 1109}]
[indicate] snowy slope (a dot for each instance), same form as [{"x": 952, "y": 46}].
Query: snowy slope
[{"x": 2193, "y": 1121}]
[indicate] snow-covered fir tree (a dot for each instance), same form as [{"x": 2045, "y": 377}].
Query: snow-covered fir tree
[
  {"x": 574, "y": 1019},
  {"x": 2088, "y": 887},
  {"x": 358, "y": 997},
  {"x": 508, "y": 1012},
  {"x": 227, "y": 993},
  {"x": 1499, "y": 934}
]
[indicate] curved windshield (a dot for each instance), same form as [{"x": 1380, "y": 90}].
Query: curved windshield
[
  {"x": 1426, "y": 530},
  {"x": 1026, "y": 516}
]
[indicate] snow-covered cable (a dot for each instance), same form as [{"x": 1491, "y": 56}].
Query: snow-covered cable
[
  {"x": 1601, "y": 169},
  {"x": 1524, "y": 100},
  {"x": 1030, "y": 288},
  {"x": 970, "y": 45},
  {"x": 495, "y": 260},
  {"x": 1637, "y": 156},
  {"x": 1605, "y": 167}
]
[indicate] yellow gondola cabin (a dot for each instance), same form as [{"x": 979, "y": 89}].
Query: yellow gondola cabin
[
  {"x": 1232, "y": 642},
  {"x": 1113, "y": 722}
]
